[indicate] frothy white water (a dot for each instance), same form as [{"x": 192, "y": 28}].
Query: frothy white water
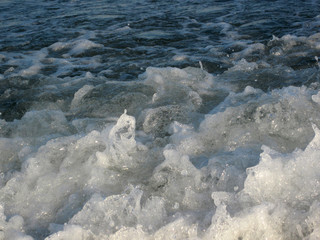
[
  {"x": 167, "y": 168},
  {"x": 174, "y": 153},
  {"x": 96, "y": 144}
]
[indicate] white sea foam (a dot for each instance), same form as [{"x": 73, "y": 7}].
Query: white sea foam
[
  {"x": 83, "y": 45},
  {"x": 177, "y": 153},
  {"x": 164, "y": 176},
  {"x": 243, "y": 65},
  {"x": 75, "y": 47},
  {"x": 80, "y": 94}
]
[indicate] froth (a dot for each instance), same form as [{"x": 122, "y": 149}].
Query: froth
[{"x": 166, "y": 167}]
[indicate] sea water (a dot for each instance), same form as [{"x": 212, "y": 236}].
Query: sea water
[{"x": 159, "y": 119}]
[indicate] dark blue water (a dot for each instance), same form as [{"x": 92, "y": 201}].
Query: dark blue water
[{"x": 186, "y": 27}]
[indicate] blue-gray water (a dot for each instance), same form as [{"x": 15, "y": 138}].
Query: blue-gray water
[{"x": 159, "y": 119}]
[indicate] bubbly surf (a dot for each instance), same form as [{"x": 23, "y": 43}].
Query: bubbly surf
[{"x": 149, "y": 120}]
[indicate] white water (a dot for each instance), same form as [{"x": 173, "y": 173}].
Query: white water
[
  {"x": 172, "y": 173},
  {"x": 174, "y": 153}
]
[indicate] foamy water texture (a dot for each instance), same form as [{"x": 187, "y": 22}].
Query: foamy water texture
[{"x": 148, "y": 120}]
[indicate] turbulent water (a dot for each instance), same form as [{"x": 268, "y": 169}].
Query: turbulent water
[{"x": 159, "y": 119}]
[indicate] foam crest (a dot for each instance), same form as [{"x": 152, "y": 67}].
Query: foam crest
[
  {"x": 122, "y": 149},
  {"x": 292, "y": 178},
  {"x": 80, "y": 94},
  {"x": 74, "y": 48},
  {"x": 254, "y": 117},
  {"x": 187, "y": 84}
]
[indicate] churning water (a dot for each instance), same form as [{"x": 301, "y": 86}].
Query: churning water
[{"x": 159, "y": 119}]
